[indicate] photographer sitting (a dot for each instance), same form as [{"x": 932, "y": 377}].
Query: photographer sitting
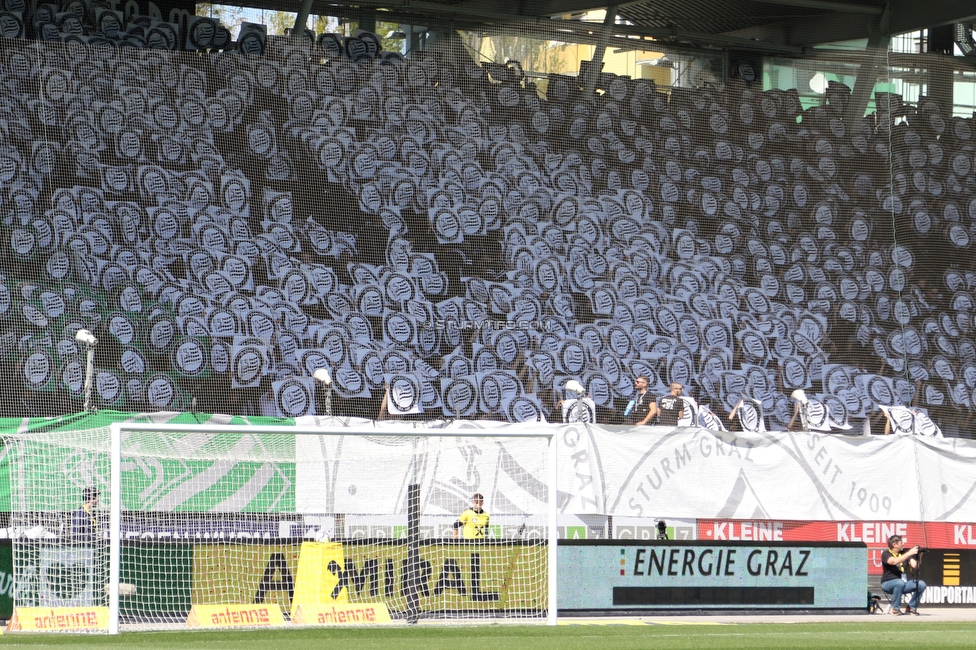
[{"x": 894, "y": 579}]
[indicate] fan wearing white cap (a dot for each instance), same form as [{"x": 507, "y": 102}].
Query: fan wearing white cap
[
  {"x": 580, "y": 408},
  {"x": 800, "y": 410}
]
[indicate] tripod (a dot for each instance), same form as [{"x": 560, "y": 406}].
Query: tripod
[{"x": 917, "y": 572}]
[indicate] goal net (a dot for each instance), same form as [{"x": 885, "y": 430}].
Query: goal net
[{"x": 310, "y": 524}]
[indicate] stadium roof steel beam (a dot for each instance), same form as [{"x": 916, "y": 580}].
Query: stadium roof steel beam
[
  {"x": 564, "y": 7},
  {"x": 839, "y": 7},
  {"x": 569, "y": 7},
  {"x": 918, "y": 61},
  {"x": 867, "y": 72},
  {"x": 909, "y": 15},
  {"x": 685, "y": 36},
  {"x": 596, "y": 62},
  {"x": 591, "y": 30},
  {"x": 770, "y": 26},
  {"x": 302, "y": 18},
  {"x": 626, "y": 37},
  {"x": 809, "y": 32}
]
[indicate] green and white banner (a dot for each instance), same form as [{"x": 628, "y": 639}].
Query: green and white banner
[
  {"x": 168, "y": 471},
  {"x": 632, "y": 472}
]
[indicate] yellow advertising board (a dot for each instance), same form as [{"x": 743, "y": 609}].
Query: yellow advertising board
[
  {"x": 341, "y": 614},
  {"x": 244, "y": 573},
  {"x": 320, "y": 571},
  {"x": 451, "y": 575},
  {"x": 236, "y": 615},
  {"x": 59, "y": 619}
]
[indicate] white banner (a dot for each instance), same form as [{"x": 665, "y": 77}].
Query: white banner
[
  {"x": 647, "y": 471},
  {"x": 364, "y": 474}
]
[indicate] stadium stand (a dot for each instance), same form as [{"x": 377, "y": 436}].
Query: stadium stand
[{"x": 227, "y": 223}]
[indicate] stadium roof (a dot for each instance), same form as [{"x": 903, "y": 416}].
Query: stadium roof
[{"x": 761, "y": 25}]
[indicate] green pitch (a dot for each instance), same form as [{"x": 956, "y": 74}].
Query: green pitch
[{"x": 808, "y": 636}]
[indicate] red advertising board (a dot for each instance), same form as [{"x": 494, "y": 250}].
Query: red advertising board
[{"x": 874, "y": 534}]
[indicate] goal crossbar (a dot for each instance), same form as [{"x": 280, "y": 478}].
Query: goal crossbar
[{"x": 119, "y": 428}]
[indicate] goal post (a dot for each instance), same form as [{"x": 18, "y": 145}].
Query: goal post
[{"x": 305, "y": 524}]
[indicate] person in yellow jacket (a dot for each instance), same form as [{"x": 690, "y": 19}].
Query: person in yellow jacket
[{"x": 473, "y": 522}]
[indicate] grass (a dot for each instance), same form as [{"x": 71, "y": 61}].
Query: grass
[{"x": 809, "y": 636}]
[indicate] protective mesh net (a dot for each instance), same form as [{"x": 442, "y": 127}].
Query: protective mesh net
[
  {"x": 473, "y": 237},
  {"x": 452, "y": 235},
  {"x": 215, "y": 519}
]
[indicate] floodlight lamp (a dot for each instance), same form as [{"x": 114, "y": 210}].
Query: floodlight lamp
[
  {"x": 322, "y": 375},
  {"x": 86, "y": 337}
]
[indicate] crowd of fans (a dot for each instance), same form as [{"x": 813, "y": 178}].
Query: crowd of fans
[{"x": 452, "y": 240}]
